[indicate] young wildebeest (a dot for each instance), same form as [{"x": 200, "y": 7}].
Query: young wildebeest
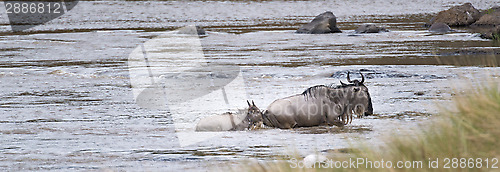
[
  {"x": 319, "y": 105},
  {"x": 244, "y": 119}
]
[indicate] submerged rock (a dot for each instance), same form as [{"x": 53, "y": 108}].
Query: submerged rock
[
  {"x": 198, "y": 30},
  {"x": 440, "y": 28},
  {"x": 462, "y": 15},
  {"x": 321, "y": 24},
  {"x": 370, "y": 28}
]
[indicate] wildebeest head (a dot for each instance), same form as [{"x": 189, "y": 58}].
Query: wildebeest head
[
  {"x": 254, "y": 115},
  {"x": 360, "y": 100}
]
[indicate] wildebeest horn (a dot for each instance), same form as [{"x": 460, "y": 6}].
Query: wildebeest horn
[
  {"x": 249, "y": 104},
  {"x": 343, "y": 84},
  {"x": 362, "y": 77},
  {"x": 253, "y": 103},
  {"x": 348, "y": 78}
]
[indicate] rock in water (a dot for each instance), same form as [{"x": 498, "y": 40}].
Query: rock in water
[
  {"x": 462, "y": 15},
  {"x": 489, "y": 24},
  {"x": 491, "y": 18},
  {"x": 493, "y": 33},
  {"x": 198, "y": 30},
  {"x": 321, "y": 24},
  {"x": 370, "y": 28},
  {"x": 440, "y": 28}
]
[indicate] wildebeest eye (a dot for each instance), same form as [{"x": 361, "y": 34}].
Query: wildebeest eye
[{"x": 356, "y": 89}]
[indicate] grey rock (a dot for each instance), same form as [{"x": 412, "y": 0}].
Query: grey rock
[
  {"x": 440, "y": 28},
  {"x": 198, "y": 30},
  {"x": 321, "y": 24}
]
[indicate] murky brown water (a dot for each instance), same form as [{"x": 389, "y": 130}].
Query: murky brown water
[{"x": 67, "y": 102}]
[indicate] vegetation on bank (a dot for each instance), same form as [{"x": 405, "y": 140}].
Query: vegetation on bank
[
  {"x": 496, "y": 36},
  {"x": 463, "y": 138}
]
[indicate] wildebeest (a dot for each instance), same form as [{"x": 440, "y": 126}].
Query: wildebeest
[
  {"x": 320, "y": 105},
  {"x": 243, "y": 119}
]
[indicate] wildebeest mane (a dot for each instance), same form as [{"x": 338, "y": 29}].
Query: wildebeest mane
[{"x": 309, "y": 92}]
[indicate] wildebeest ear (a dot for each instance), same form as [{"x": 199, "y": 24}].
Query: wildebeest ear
[
  {"x": 253, "y": 103},
  {"x": 249, "y": 105}
]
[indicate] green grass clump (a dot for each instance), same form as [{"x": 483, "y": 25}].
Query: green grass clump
[
  {"x": 496, "y": 36},
  {"x": 469, "y": 130},
  {"x": 489, "y": 11}
]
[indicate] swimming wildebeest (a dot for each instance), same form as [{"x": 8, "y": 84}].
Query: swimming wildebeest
[
  {"x": 244, "y": 119},
  {"x": 320, "y": 105}
]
